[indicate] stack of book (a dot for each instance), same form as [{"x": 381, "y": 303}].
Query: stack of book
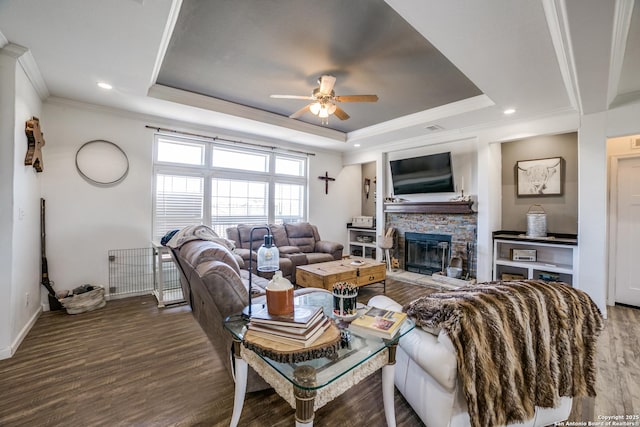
[
  {"x": 301, "y": 328},
  {"x": 378, "y": 322}
]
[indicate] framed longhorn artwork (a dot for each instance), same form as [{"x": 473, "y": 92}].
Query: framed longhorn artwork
[{"x": 539, "y": 177}]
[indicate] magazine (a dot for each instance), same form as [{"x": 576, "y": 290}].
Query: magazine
[{"x": 378, "y": 322}]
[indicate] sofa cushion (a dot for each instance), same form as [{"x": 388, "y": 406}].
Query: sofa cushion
[
  {"x": 302, "y": 236},
  {"x": 223, "y": 282},
  {"x": 288, "y": 250},
  {"x": 258, "y": 284},
  {"x": 280, "y": 238},
  {"x": 315, "y": 257},
  {"x": 199, "y": 251},
  {"x": 244, "y": 232}
]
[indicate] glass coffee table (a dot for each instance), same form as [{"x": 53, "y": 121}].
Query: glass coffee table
[{"x": 309, "y": 385}]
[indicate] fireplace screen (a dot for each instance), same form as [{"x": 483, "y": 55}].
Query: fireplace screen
[{"x": 424, "y": 252}]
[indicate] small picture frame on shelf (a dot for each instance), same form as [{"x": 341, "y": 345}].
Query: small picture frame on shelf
[{"x": 539, "y": 177}]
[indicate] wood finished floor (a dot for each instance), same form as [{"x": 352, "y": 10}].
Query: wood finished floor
[{"x": 132, "y": 364}]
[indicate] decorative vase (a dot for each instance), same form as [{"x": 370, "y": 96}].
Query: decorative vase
[{"x": 279, "y": 295}]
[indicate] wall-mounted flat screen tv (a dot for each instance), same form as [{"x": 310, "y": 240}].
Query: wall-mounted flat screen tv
[{"x": 425, "y": 174}]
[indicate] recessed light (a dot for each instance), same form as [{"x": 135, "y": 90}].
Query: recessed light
[
  {"x": 509, "y": 111},
  {"x": 104, "y": 85},
  {"x": 356, "y": 145}
]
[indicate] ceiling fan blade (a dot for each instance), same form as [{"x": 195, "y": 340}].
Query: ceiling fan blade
[
  {"x": 291, "y": 97},
  {"x": 326, "y": 84},
  {"x": 340, "y": 113},
  {"x": 357, "y": 98},
  {"x": 300, "y": 112}
]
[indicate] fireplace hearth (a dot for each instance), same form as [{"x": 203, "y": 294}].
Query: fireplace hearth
[{"x": 424, "y": 252}]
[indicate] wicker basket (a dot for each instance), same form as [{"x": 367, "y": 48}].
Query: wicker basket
[
  {"x": 385, "y": 242},
  {"x": 87, "y": 301}
]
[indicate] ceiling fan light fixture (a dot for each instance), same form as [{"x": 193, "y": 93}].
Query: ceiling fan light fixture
[
  {"x": 323, "y": 101},
  {"x": 315, "y": 108}
]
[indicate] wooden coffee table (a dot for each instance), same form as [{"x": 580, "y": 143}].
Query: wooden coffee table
[{"x": 359, "y": 271}]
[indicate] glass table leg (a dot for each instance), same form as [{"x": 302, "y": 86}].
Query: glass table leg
[
  {"x": 388, "y": 372},
  {"x": 241, "y": 369}
]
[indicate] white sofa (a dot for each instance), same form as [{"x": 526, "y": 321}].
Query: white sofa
[{"x": 426, "y": 375}]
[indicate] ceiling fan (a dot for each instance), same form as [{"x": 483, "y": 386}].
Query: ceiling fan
[{"x": 324, "y": 101}]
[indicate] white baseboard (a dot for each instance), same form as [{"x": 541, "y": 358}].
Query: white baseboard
[{"x": 6, "y": 353}]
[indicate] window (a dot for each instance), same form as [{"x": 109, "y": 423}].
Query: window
[
  {"x": 185, "y": 153},
  {"x": 234, "y": 159},
  {"x": 201, "y": 182},
  {"x": 289, "y": 202}
]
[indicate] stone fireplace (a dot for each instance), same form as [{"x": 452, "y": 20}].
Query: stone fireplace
[{"x": 454, "y": 222}]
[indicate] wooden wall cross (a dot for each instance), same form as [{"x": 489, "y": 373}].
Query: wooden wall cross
[
  {"x": 35, "y": 142},
  {"x": 326, "y": 180}
]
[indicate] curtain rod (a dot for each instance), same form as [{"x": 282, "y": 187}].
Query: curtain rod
[{"x": 216, "y": 138}]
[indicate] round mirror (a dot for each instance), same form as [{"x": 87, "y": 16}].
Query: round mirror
[{"x": 102, "y": 162}]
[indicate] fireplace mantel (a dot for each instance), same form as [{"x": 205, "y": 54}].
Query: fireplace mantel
[{"x": 450, "y": 207}]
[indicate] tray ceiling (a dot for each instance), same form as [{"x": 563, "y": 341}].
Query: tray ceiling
[
  {"x": 243, "y": 51},
  {"x": 211, "y": 65}
]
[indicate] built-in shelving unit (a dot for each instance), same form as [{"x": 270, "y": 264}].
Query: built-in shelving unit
[
  {"x": 362, "y": 242},
  {"x": 555, "y": 257}
]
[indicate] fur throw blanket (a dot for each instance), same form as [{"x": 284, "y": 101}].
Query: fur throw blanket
[{"x": 518, "y": 345}]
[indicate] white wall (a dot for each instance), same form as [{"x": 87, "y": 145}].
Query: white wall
[
  {"x": 84, "y": 221},
  {"x": 26, "y": 213},
  {"x": 592, "y": 207},
  {"x": 489, "y": 205},
  {"x": 331, "y": 212},
  {"x": 19, "y": 201},
  {"x": 7, "y": 148}
]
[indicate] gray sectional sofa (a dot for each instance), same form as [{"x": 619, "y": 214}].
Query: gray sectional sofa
[
  {"x": 298, "y": 244},
  {"x": 215, "y": 287}
]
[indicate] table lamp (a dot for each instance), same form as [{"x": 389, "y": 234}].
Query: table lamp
[{"x": 268, "y": 259}]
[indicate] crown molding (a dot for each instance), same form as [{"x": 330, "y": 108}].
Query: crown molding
[
  {"x": 13, "y": 50},
  {"x": 179, "y": 125},
  {"x": 557, "y": 121},
  {"x": 225, "y": 107},
  {"x": 625, "y": 99},
  {"x": 621, "y": 25},
  {"x": 557, "y": 21},
  {"x": 174, "y": 12},
  {"x": 423, "y": 117},
  {"x": 3, "y": 40},
  {"x": 27, "y": 62}
]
